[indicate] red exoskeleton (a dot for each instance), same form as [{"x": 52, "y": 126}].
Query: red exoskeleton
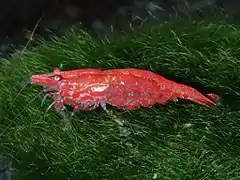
[{"x": 86, "y": 89}]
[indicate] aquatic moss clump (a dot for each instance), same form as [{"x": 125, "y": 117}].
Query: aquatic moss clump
[{"x": 173, "y": 141}]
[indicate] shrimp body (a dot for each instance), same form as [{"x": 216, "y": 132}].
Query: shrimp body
[{"x": 86, "y": 89}]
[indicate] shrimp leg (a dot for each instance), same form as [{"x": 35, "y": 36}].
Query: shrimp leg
[
  {"x": 124, "y": 131},
  {"x": 117, "y": 120},
  {"x": 58, "y": 103},
  {"x": 84, "y": 107}
]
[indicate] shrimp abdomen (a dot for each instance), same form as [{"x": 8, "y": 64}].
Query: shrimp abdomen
[{"x": 131, "y": 92}]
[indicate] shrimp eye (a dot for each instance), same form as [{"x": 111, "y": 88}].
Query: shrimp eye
[{"x": 56, "y": 78}]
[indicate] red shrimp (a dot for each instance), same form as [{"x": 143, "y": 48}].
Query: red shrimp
[{"x": 86, "y": 89}]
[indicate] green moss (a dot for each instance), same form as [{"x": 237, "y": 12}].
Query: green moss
[{"x": 173, "y": 141}]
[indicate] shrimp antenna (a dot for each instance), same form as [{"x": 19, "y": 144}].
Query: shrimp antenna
[
  {"x": 36, "y": 96},
  {"x": 24, "y": 84}
]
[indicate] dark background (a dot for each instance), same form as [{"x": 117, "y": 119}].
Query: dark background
[{"x": 18, "y": 18}]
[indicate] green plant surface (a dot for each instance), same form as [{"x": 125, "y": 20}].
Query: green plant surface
[{"x": 173, "y": 141}]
